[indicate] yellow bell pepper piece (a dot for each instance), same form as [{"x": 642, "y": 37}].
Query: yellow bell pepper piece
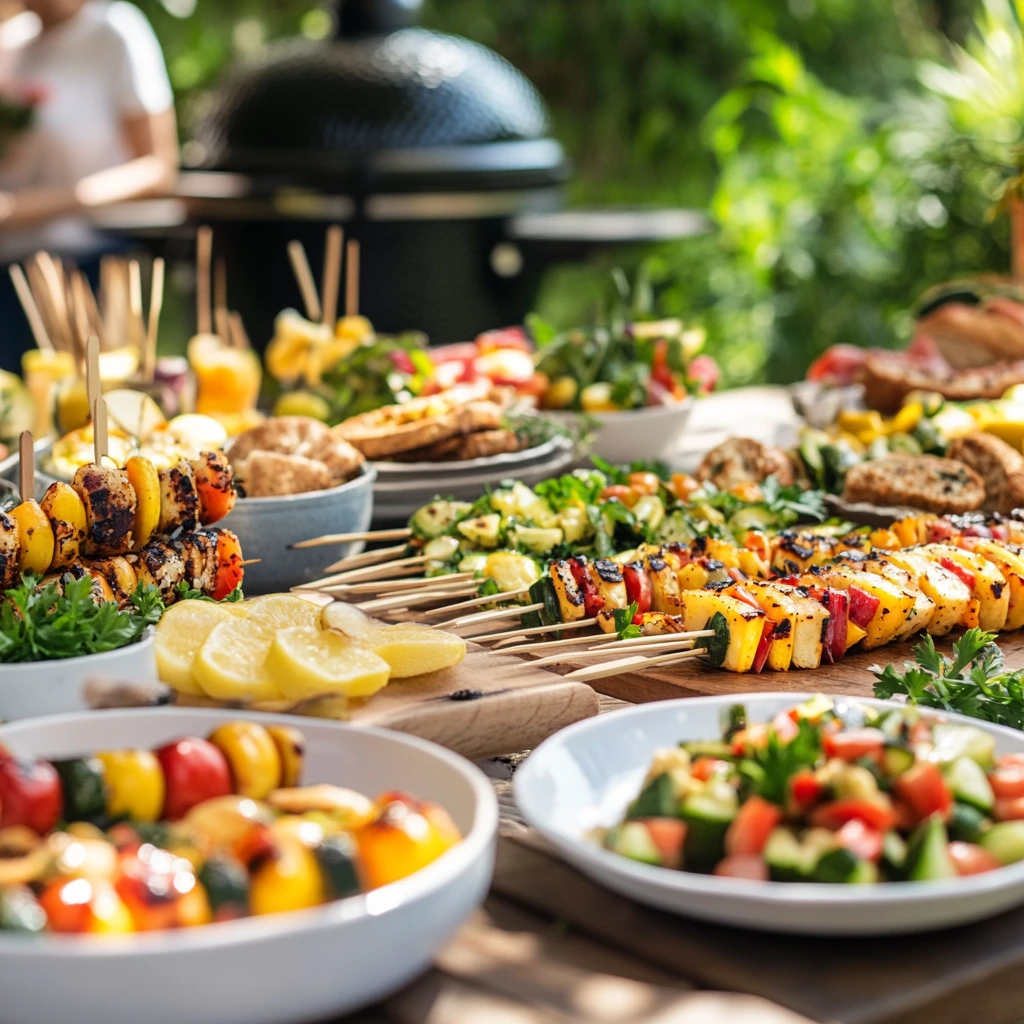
[
  {"x": 252, "y": 756},
  {"x": 291, "y": 880},
  {"x": 35, "y": 537},
  {"x": 906, "y": 419},
  {"x": 135, "y": 784}
]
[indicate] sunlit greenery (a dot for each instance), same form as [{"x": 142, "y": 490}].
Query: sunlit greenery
[{"x": 850, "y": 151}]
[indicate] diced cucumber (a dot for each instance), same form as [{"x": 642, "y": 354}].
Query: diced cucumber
[
  {"x": 717, "y": 646},
  {"x": 708, "y": 748},
  {"x": 535, "y": 538},
  {"x": 656, "y": 800},
  {"x": 785, "y": 857},
  {"x": 631, "y": 839},
  {"x": 967, "y": 823},
  {"x": 543, "y": 592},
  {"x": 574, "y": 523},
  {"x": 707, "y": 818},
  {"x": 649, "y": 510},
  {"x": 1005, "y": 841},
  {"x": 838, "y": 865},
  {"x": 928, "y": 857},
  {"x": 865, "y": 873},
  {"x": 814, "y": 708},
  {"x": 966, "y": 778},
  {"x": 440, "y": 549},
  {"x": 482, "y": 530},
  {"x": 953, "y": 741},
  {"x": 894, "y": 854},
  {"x": 475, "y": 562},
  {"x": 756, "y": 517},
  {"x": 438, "y": 517},
  {"x": 897, "y": 760},
  {"x": 893, "y": 724}
]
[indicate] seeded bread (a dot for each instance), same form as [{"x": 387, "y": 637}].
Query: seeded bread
[
  {"x": 744, "y": 460},
  {"x": 919, "y": 481},
  {"x": 1000, "y": 465}
]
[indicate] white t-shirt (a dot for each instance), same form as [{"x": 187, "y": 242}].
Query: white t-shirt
[{"x": 95, "y": 69}]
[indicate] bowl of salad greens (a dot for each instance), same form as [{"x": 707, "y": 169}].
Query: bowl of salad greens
[
  {"x": 789, "y": 812},
  {"x": 58, "y": 646}
]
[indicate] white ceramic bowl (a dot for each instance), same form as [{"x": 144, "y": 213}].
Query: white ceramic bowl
[
  {"x": 585, "y": 775},
  {"x": 653, "y": 432},
  {"x": 292, "y": 967},
  {"x": 33, "y": 688}
]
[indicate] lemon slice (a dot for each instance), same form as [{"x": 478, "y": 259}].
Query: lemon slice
[
  {"x": 134, "y": 412},
  {"x": 306, "y": 662},
  {"x": 231, "y": 664},
  {"x": 279, "y": 611},
  {"x": 412, "y": 649},
  {"x": 181, "y": 632}
]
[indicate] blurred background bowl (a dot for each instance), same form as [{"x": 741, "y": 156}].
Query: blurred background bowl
[
  {"x": 303, "y": 965},
  {"x": 267, "y": 526}
]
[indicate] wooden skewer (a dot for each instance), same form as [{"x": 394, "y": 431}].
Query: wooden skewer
[
  {"x": 415, "y": 599},
  {"x": 239, "y": 335},
  {"x": 156, "y": 305},
  {"x": 563, "y": 656},
  {"x": 508, "y": 595},
  {"x": 53, "y": 281},
  {"x": 615, "y": 668},
  {"x": 138, "y": 327},
  {"x": 204, "y": 255},
  {"x": 332, "y": 275},
  {"x": 220, "y": 289},
  {"x": 28, "y": 303},
  {"x": 92, "y": 310},
  {"x": 341, "y": 578},
  {"x": 500, "y": 613},
  {"x": 26, "y": 466},
  {"x": 602, "y": 641},
  {"x": 92, "y": 371},
  {"x": 352, "y": 278},
  {"x": 558, "y": 627},
  {"x": 251, "y": 561},
  {"x": 378, "y": 569},
  {"x": 391, "y": 588},
  {"x": 80, "y": 312},
  {"x": 300, "y": 266},
  {"x": 350, "y": 538},
  {"x": 99, "y": 430},
  {"x": 223, "y": 322},
  {"x": 373, "y": 557},
  {"x": 44, "y": 303}
]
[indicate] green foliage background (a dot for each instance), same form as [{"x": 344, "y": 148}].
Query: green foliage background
[{"x": 850, "y": 151}]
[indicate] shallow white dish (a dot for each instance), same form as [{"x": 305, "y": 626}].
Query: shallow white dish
[
  {"x": 299, "y": 966},
  {"x": 653, "y": 432},
  {"x": 32, "y": 688},
  {"x": 585, "y": 775},
  {"x": 506, "y": 461}
]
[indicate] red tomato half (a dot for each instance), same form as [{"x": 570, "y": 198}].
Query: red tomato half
[
  {"x": 704, "y": 768},
  {"x": 971, "y": 859},
  {"x": 754, "y": 823},
  {"x": 1010, "y": 809},
  {"x": 925, "y": 790},
  {"x": 861, "y": 839},
  {"x": 668, "y": 835},
  {"x": 1007, "y": 781},
  {"x": 753, "y": 869},
  {"x": 194, "y": 771},
  {"x": 837, "y": 813},
  {"x": 804, "y": 788},
  {"x": 853, "y": 744},
  {"x": 30, "y": 794}
]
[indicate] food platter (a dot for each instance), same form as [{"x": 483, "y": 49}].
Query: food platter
[
  {"x": 507, "y": 463},
  {"x": 584, "y": 776}
]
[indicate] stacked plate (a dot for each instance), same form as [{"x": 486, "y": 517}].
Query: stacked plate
[{"x": 403, "y": 487}]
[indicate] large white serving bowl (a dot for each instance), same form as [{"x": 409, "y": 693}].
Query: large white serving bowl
[
  {"x": 585, "y": 775},
  {"x": 653, "y": 432},
  {"x": 32, "y": 688},
  {"x": 292, "y": 967}
]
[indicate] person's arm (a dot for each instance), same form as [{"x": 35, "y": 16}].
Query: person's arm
[{"x": 152, "y": 139}]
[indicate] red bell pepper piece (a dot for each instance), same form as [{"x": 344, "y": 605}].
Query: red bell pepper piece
[
  {"x": 940, "y": 530},
  {"x": 805, "y": 789},
  {"x": 837, "y": 603},
  {"x": 965, "y": 575},
  {"x": 593, "y": 602},
  {"x": 741, "y": 594},
  {"x": 837, "y": 813},
  {"x": 862, "y": 607},
  {"x": 764, "y": 644},
  {"x": 638, "y": 587}
]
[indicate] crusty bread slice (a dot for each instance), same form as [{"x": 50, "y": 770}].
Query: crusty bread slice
[
  {"x": 459, "y": 449},
  {"x": 920, "y": 481},
  {"x": 999, "y": 464}
]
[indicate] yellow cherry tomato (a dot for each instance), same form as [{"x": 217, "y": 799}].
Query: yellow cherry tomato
[
  {"x": 35, "y": 537},
  {"x": 290, "y": 879},
  {"x": 252, "y": 756},
  {"x": 135, "y": 784}
]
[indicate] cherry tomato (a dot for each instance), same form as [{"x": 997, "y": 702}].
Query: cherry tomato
[
  {"x": 66, "y": 902},
  {"x": 1007, "y": 781},
  {"x": 668, "y": 835},
  {"x": 853, "y": 744},
  {"x": 925, "y": 790},
  {"x": 644, "y": 483},
  {"x": 745, "y": 866},
  {"x": 705, "y": 372},
  {"x": 30, "y": 794},
  {"x": 749, "y": 830},
  {"x": 837, "y": 813},
  {"x": 230, "y": 570},
  {"x": 194, "y": 771},
  {"x": 804, "y": 788},
  {"x": 622, "y": 493},
  {"x": 971, "y": 859},
  {"x": 704, "y": 768},
  {"x": 1009, "y": 809},
  {"x": 638, "y": 587},
  {"x": 683, "y": 485},
  {"x": 154, "y": 885},
  {"x": 839, "y": 364},
  {"x": 785, "y": 729},
  {"x": 861, "y": 839}
]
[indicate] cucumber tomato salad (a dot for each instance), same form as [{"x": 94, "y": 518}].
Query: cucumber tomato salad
[{"x": 830, "y": 791}]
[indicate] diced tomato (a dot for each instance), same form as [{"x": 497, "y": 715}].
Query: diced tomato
[
  {"x": 919, "y": 732},
  {"x": 940, "y": 530},
  {"x": 749, "y": 868},
  {"x": 638, "y": 619},
  {"x": 1000, "y": 532},
  {"x": 621, "y": 493},
  {"x": 744, "y": 595},
  {"x": 593, "y": 602},
  {"x": 960, "y": 572},
  {"x": 402, "y": 362},
  {"x": 924, "y": 788},
  {"x": 638, "y": 586},
  {"x": 644, "y": 483},
  {"x": 837, "y": 603},
  {"x": 668, "y": 835},
  {"x": 839, "y": 364},
  {"x": 862, "y": 607},
  {"x": 705, "y": 372},
  {"x": 971, "y": 859},
  {"x": 804, "y": 789},
  {"x": 853, "y": 744},
  {"x": 1009, "y": 809},
  {"x": 905, "y": 820},
  {"x": 976, "y": 530},
  {"x": 704, "y": 767},
  {"x": 749, "y": 830},
  {"x": 1005, "y": 759},
  {"x": 861, "y": 839},
  {"x": 465, "y": 351},
  {"x": 1007, "y": 781},
  {"x": 751, "y": 738},
  {"x": 504, "y": 337},
  {"x": 764, "y": 645},
  {"x": 785, "y": 728},
  {"x": 837, "y": 813}
]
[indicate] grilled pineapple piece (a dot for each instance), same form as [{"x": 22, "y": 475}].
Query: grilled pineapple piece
[
  {"x": 745, "y": 625},
  {"x": 797, "y": 552},
  {"x": 511, "y": 571},
  {"x": 924, "y": 607},
  {"x": 894, "y": 604},
  {"x": 664, "y": 585},
  {"x": 989, "y": 584},
  {"x": 693, "y": 576},
  {"x": 570, "y": 600},
  {"x": 1011, "y": 565},
  {"x": 607, "y": 577},
  {"x": 949, "y": 593},
  {"x": 63, "y": 506},
  {"x": 780, "y": 609}
]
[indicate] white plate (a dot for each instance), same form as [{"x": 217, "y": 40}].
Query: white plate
[
  {"x": 505, "y": 460},
  {"x": 304, "y": 965},
  {"x": 653, "y": 432},
  {"x": 585, "y": 775}
]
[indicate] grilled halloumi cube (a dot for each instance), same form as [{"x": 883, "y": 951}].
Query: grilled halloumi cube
[
  {"x": 949, "y": 593},
  {"x": 745, "y": 625},
  {"x": 1011, "y": 565},
  {"x": 693, "y": 576},
  {"x": 812, "y": 621},
  {"x": 570, "y": 598},
  {"x": 894, "y": 603},
  {"x": 660, "y": 624},
  {"x": 797, "y": 552},
  {"x": 607, "y": 577},
  {"x": 989, "y": 584},
  {"x": 924, "y": 607},
  {"x": 664, "y": 585},
  {"x": 781, "y": 609}
]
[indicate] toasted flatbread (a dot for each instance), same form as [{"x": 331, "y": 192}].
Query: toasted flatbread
[
  {"x": 459, "y": 449},
  {"x": 270, "y": 474}
]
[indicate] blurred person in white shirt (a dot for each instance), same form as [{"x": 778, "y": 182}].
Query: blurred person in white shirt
[{"x": 104, "y": 132}]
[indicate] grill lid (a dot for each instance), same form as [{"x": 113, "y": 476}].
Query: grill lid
[{"x": 366, "y": 105}]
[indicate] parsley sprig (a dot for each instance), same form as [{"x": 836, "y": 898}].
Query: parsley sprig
[
  {"x": 973, "y": 682},
  {"x": 766, "y": 770},
  {"x": 42, "y": 624},
  {"x": 184, "y": 592}
]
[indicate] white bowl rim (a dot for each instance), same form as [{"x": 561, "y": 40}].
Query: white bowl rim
[
  {"x": 367, "y": 475},
  {"x": 651, "y": 411},
  {"x": 537, "y": 453},
  {"x": 252, "y": 930},
  {"x": 765, "y": 894},
  {"x": 148, "y": 638}
]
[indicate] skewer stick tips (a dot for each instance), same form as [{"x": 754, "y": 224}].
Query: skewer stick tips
[
  {"x": 304, "y": 276},
  {"x": 352, "y": 538},
  {"x": 204, "y": 256},
  {"x": 28, "y": 303},
  {"x": 352, "y": 278},
  {"x": 332, "y": 274},
  {"x": 99, "y": 430},
  {"x": 26, "y": 466},
  {"x": 156, "y": 305}
]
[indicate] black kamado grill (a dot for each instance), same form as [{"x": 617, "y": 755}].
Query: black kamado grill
[{"x": 430, "y": 149}]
